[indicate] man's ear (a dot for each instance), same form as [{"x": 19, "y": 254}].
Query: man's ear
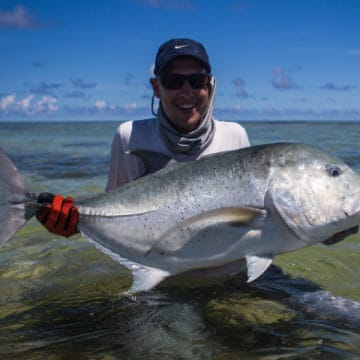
[{"x": 155, "y": 86}]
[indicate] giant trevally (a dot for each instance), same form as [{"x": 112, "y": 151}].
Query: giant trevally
[{"x": 210, "y": 215}]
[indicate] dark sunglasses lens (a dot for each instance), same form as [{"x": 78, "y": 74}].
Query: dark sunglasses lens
[
  {"x": 198, "y": 81},
  {"x": 175, "y": 81},
  {"x": 171, "y": 81}
]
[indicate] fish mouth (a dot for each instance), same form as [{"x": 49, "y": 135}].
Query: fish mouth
[{"x": 340, "y": 236}]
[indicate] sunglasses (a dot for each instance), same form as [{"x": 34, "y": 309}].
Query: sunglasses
[{"x": 176, "y": 81}]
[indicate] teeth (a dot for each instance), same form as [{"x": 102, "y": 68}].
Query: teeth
[{"x": 186, "y": 106}]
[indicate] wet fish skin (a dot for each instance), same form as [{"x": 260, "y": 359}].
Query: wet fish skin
[{"x": 211, "y": 213}]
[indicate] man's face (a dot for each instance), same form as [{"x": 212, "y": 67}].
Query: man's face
[{"x": 185, "y": 106}]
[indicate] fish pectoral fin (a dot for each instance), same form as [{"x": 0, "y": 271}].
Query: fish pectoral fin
[
  {"x": 256, "y": 266},
  {"x": 153, "y": 161},
  {"x": 146, "y": 278},
  {"x": 236, "y": 216},
  {"x": 233, "y": 216}
]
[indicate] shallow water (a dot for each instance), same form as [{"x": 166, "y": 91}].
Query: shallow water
[{"x": 61, "y": 298}]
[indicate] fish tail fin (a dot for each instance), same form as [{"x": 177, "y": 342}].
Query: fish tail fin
[{"x": 17, "y": 203}]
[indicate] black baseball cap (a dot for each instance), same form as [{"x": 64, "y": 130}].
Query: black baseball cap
[{"x": 180, "y": 47}]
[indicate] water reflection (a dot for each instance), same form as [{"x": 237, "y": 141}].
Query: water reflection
[{"x": 92, "y": 319}]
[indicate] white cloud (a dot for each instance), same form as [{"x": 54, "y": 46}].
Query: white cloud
[
  {"x": 281, "y": 80},
  {"x": 26, "y": 106},
  {"x": 101, "y": 104},
  {"x": 18, "y": 18},
  {"x": 46, "y": 104},
  {"x": 22, "y": 18},
  {"x": 130, "y": 106},
  {"x": 7, "y": 101},
  {"x": 240, "y": 88},
  {"x": 25, "y": 103}
]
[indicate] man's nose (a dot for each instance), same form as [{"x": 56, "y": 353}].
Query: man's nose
[{"x": 186, "y": 87}]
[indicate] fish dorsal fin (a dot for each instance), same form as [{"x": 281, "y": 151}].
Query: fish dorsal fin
[
  {"x": 234, "y": 216},
  {"x": 256, "y": 266},
  {"x": 145, "y": 277},
  {"x": 153, "y": 161}
]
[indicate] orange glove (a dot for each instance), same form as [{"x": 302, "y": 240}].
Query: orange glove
[{"x": 58, "y": 215}]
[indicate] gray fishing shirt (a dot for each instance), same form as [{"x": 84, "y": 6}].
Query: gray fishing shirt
[{"x": 145, "y": 135}]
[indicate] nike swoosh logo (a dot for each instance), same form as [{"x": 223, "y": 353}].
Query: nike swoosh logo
[{"x": 176, "y": 47}]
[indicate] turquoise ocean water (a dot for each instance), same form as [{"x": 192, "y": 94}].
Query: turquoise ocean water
[{"x": 61, "y": 298}]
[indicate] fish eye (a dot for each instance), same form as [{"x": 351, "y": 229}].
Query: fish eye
[{"x": 333, "y": 170}]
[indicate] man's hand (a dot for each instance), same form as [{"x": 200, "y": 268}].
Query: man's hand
[{"x": 58, "y": 215}]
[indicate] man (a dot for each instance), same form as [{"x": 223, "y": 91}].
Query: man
[{"x": 184, "y": 128}]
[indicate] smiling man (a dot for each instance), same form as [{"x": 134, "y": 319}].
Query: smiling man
[{"x": 183, "y": 129}]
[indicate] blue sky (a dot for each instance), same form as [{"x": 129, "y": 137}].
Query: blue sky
[{"x": 273, "y": 60}]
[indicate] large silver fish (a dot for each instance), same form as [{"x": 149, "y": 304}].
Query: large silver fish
[{"x": 211, "y": 215}]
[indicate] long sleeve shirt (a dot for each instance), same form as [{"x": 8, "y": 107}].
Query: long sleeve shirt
[{"x": 144, "y": 135}]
